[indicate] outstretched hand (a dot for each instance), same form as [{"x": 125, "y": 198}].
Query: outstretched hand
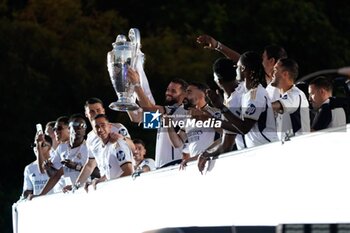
[{"x": 207, "y": 41}]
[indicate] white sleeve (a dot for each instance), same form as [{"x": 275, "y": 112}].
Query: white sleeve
[
  {"x": 150, "y": 163},
  {"x": 123, "y": 154},
  {"x": 290, "y": 102},
  {"x": 27, "y": 183},
  {"x": 90, "y": 153},
  {"x": 121, "y": 129}
]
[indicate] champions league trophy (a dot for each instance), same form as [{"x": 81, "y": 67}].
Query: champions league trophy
[{"x": 119, "y": 59}]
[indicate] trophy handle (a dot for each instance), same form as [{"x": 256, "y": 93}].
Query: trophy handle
[
  {"x": 135, "y": 39},
  {"x": 134, "y": 36}
]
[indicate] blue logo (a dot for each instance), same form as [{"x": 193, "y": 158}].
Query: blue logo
[
  {"x": 120, "y": 155},
  {"x": 251, "y": 109},
  {"x": 151, "y": 120},
  {"x": 123, "y": 131}
]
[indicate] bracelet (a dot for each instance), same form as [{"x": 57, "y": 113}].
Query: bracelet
[
  {"x": 218, "y": 46},
  {"x": 137, "y": 85}
]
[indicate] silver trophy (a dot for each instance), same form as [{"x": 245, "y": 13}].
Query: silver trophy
[{"x": 119, "y": 59}]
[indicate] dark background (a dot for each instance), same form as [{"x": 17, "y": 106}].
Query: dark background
[{"x": 53, "y": 56}]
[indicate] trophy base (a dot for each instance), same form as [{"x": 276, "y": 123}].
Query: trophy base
[{"x": 123, "y": 106}]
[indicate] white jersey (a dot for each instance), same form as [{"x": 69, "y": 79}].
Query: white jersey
[
  {"x": 33, "y": 179},
  {"x": 112, "y": 157},
  {"x": 273, "y": 92},
  {"x": 165, "y": 152},
  {"x": 256, "y": 105},
  {"x": 146, "y": 162},
  {"x": 199, "y": 139},
  {"x": 78, "y": 155},
  {"x": 233, "y": 102},
  {"x": 93, "y": 142},
  {"x": 295, "y": 119}
]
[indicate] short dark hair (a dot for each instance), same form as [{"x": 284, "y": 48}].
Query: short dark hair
[
  {"x": 275, "y": 51},
  {"x": 201, "y": 86},
  {"x": 139, "y": 141},
  {"x": 181, "y": 82},
  {"x": 291, "y": 66},
  {"x": 93, "y": 100},
  {"x": 76, "y": 116},
  {"x": 63, "y": 119},
  {"x": 322, "y": 82},
  {"x": 101, "y": 116},
  {"x": 224, "y": 69}
]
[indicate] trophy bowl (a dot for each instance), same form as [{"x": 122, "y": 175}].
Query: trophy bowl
[{"x": 119, "y": 59}]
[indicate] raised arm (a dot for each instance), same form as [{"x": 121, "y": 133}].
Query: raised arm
[
  {"x": 143, "y": 100},
  {"x": 43, "y": 150},
  {"x": 209, "y": 42}
]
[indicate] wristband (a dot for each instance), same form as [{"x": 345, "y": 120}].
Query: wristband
[{"x": 218, "y": 46}]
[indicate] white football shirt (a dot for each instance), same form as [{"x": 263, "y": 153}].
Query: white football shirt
[
  {"x": 165, "y": 152},
  {"x": 112, "y": 157},
  {"x": 93, "y": 142},
  {"x": 146, "y": 162},
  {"x": 295, "y": 119},
  {"x": 256, "y": 105},
  {"x": 78, "y": 155},
  {"x": 33, "y": 179},
  {"x": 200, "y": 138}
]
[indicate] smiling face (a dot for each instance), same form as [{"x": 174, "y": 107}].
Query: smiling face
[
  {"x": 139, "y": 152},
  {"x": 174, "y": 94},
  {"x": 102, "y": 128},
  {"x": 279, "y": 75}
]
